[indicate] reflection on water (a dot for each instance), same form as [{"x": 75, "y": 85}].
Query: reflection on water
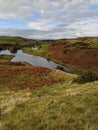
[
  {"x": 6, "y": 52},
  {"x": 33, "y": 60}
]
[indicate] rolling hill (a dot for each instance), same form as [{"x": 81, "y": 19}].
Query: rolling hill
[{"x": 38, "y": 98}]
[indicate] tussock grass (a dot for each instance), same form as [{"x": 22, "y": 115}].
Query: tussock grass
[{"x": 61, "y": 106}]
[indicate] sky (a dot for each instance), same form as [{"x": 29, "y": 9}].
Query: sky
[{"x": 49, "y": 19}]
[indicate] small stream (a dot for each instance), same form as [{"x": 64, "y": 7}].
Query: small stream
[{"x": 20, "y": 56}]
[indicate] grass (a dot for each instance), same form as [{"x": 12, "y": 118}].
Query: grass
[
  {"x": 6, "y": 57},
  {"x": 36, "y": 98},
  {"x": 14, "y": 40},
  {"x": 43, "y": 50},
  {"x": 60, "y": 106},
  {"x": 15, "y": 43}
]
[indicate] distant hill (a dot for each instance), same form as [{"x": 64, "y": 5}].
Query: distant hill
[
  {"x": 93, "y": 41},
  {"x": 80, "y": 53}
]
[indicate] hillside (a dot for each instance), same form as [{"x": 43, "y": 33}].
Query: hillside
[
  {"x": 38, "y": 98},
  {"x": 80, "y": 53},
  {"x": 49, "y": 101},
  {"x": 7, "y": 42}
]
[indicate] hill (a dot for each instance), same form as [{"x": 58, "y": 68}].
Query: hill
[
  {"x": 40, "y": 98},
  {"x": 80, "y": 53},
  {"x": 47, "y": 99}
]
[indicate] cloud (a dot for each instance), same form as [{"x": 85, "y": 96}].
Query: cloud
[{"x": 51, "y": 18}]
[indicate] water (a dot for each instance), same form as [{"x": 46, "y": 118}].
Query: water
[{"x": 20, "y": 56}]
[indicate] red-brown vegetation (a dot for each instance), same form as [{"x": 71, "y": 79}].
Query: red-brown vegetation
[
  {"x": 20, "y": 76},
  {"x": 80, "y": 57}
]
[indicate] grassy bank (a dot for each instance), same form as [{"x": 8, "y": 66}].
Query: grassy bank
[
  {"x": 61, "y": 106},
  {"x": 6, "y": 57},
  {"x": 42, "y": 50}
]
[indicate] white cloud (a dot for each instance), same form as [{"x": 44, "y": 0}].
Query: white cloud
[{"x": 56, "y": 19}]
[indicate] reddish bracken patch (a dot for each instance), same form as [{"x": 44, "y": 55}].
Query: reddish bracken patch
[
  {"x": 80, "y": 58},
  {"x": 20, "y": 77}
]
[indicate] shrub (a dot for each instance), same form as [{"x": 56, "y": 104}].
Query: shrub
[
  {"x": 96, "y": 62},
  {"x": 85, "y": 77},
  {"x": 82, "y": 44},
  {"x": 13, "y": 49},
  {"x": 65, "y": 51},
  {"x": 60, "y": 68}
]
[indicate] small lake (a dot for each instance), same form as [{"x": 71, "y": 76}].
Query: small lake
[{"x": 20, "y": 56}]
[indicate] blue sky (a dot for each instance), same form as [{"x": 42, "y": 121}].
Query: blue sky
[
  {"x": 11, "y": 23},
  {"x": 94, "y": 7},
  {"x": 44, "y": 19}
]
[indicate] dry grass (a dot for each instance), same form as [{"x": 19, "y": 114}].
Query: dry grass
[{"x": 60, "y": 106}]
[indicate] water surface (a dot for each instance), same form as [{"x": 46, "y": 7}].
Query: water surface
[{"x": 20, "y": 56}]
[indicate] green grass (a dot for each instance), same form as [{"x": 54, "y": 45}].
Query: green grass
[
  {"x": 13, "y": 40},
  {"x": 61, "y": 106},
  {"x": 6, "y": 57},
  {"x": 42, "y": 50},
  {"x": 28, "y": 50},
  {"x": 7, "y": 42}
]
